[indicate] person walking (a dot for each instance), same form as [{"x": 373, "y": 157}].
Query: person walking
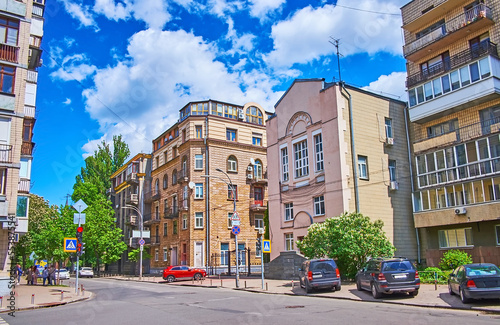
[
  {"x": 45, "y": 275},
  {"x": 19, "y": 273},
  {"x": 29, "y": 276},
  {"x": 52, "y": 275},
  {"x": 36, "y": 274}
]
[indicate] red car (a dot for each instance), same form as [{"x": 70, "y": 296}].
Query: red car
[{"x": 173, "y": 273}]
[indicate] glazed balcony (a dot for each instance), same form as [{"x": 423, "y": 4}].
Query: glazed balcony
[
  {"x": 32, "y": 76},
  {"x": 24, "y": 186},
  {"x": 6, "y": 153},
  {"x": 428, "y": 11},
  {"x": 27, "y": 148},
  {"x": 29, "y": 111},
  {"x": 456, "y": 29},
  {"x": 8, "y": 52},
  {"x": 14, "y": 7}
]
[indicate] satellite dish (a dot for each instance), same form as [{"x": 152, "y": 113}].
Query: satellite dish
[
  {"x": 252, "y": 161},
  {"x": 191, "y": 185}
]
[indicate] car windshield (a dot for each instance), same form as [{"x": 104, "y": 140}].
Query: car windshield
[
  {"x": 86, "y": 269},
  {"x": 482, "y": 270},
  {"x": 398, "y": 266},
  {"x": 325, "y": 266},
  {"x": 63, "y": 270}
]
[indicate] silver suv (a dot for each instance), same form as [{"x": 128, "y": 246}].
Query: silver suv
[{"x": 319, "y": 274}]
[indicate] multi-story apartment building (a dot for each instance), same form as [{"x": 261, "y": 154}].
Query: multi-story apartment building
[
  {"x": 21, "y": 31},
  {"x": 127, "y": 194},
  {"x": 454, "y": 108},
  {"x": 336, "y": 149},
  {"x": 195, "y": 161}
]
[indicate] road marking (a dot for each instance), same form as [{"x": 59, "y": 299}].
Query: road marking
[{"x": 2, "y": 321}]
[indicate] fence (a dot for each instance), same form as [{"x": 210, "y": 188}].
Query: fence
[{"x": 225, "y": 262}]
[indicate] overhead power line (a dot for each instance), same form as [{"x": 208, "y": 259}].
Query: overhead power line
[{"x": 370, "y": 11}]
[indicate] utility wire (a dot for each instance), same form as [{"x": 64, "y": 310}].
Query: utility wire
[{"x": 370, "y": 11}]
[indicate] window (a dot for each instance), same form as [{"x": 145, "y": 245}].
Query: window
[
  {"x": 184, "y": 221},
  {"x": 165, "y": 206},
  {"x": 7, "y": 79},
  {"x": 289, "y": 242},
  {"x": 284, "y": 164},
  {"x": 229, "y": 222},
  {"x": 165, "y": 157},
  {"x": 392, "y": 170},
  {"x": 199, "y": 131},
  {"x": 460, "y": 237},
  {"x": 442, "y": 128},
  {"x": 438, "y": 25},
  {"x": 165, "y": 254},
  {"x": 230, "y": 192},
  {"x": 224, "y": 253},
  {"x": 198, "y": 191},
  {"x": 165, "y": 181},
  {"x": 156, "y": 254},
  {"x": 257, "y": 169},
  {"x": 497, "y": 231},
  {"x": 184, "y": 172},
  {"x": 259, "y": 221},
  {"x": 318, "y": 151},
  {"x": 157, "y": 186},
  {"x": 174, "y": 226},
  {"x": 198, "y": 220},
  {"x": 198, "y": 162},
  {"x": 3, "y": 180},
  {"x": 319, "y": 205},
  {"x": 301, "y": 159},
  {"x": 232, "y": 164},
  {"x": 157, "y": 212},
  {"x": 8, "y": 31},
  {"x": 254, "y": 115},
  {"x": 174, "y": 177},
  {"x": 230, "y": 135},
  {"x": 165, "y": 229},
  {"x": 230, "y": 111},
  {"x": 175, "y": 206},
  {"x": 217, "y": 109},
  {"x": 257, "y": 140},
  {"x": 288, "y": 211},
  {"x": 363, "y": 167},
  {"x": 199, "y": 109},
  {"x": 388, "y": 128}
]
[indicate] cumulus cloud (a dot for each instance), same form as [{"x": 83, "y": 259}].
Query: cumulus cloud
[
  {"x": 392, "y": 85},
  {"x": 112, "y": 10},
  {"x": 74, "y": 67},
  {"x": 262, "y": 8},
  {"x": 81, "y": 13},
  {"x": 153, "y": 12},
  {"x": 304, "y": 36}
]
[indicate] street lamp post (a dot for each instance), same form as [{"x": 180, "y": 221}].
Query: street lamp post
[
  {"x": 230, "y": 184},
  {"x": 141, "y": 226}
]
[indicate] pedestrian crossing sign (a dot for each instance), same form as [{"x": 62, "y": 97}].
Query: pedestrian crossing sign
[
  {"x": 266, "y": 246},
  {"x": 70, "y": 245}
]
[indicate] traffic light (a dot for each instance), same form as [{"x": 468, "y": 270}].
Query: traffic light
[
  {"x": 83, "y": 249},
  {"x": 258, "y": 244},
  {"x": 79, "y": 240}
]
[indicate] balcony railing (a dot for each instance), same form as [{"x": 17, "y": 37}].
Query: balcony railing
[
  {"x": 27, "y": 148},
  {"x": 35, "y": 41},
  {"x": 171, "y": 213},
  {"x": 132, "y": 198},
  {"x": 132, "y": 177},
  {"x": 5, "y": 153},
  {"x": 155, "y": 240},
  {"x": 29, "y": 111},
  {"x": 8, "y": 52},
  {"x": 37, "y": 10},
  {"x": 150, "y": 196},
  {"x": 24, "y": 186},
  {"x": 459, "y": 59},
  {"x": 477, "y": 13},
  {"x": 32, "y": 76}
]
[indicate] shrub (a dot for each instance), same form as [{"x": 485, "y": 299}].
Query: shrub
[
  {"x": 428, "y": 275},
  {"x": 454, "y": 258}
]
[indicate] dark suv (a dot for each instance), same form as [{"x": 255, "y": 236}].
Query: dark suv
[
  {"x": 388, "y": 275},
  {"x": 319, "y": 273}
]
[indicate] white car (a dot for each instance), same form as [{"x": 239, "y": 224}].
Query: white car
[
  {"x": 63, "y": 274},
  {"x": 86, "y": 272}
]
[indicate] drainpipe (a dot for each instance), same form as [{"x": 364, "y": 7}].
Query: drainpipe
[
  {"x": 207, "y": 201},
  {"x": 353, "y": 149},
  {"x": 406, "y": 117}
]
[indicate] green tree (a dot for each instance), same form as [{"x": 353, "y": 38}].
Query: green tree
[
  {"x": 350, "y": 239},
  {"x": 134, "y": 255},
  {"x": 454, "y": 258}
]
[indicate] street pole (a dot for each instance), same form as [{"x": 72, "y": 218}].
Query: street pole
[
  {"x": 78, "y": 257},
  {"x": 141, "y": 228},
  {"x": 261, "y": 263}
]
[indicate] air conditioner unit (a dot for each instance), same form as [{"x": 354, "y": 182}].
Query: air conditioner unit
[
  {"x": 241, "y": 114},
  {"x": 261, "y": 231},
  {"x": 393, "y": 186},
  {"x": 389, "y": 141},
  {"x": 460, "y": 210},
  {"x": 249, "y": 168},
  {"x": 250, "y": 176}
]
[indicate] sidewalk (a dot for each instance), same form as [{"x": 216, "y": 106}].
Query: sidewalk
[{"x": 38, "y": 296}]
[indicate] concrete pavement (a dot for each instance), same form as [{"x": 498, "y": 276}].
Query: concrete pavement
[{"x": 429, "y": 295}]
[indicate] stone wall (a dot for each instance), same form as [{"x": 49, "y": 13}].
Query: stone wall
[{"x": 284, "y": 267}]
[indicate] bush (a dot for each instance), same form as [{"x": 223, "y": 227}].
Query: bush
[
  {"x": 428, "y": 275},
  {"x": 454, "y": 258}
]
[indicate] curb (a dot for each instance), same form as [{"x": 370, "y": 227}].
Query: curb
[{"x": 48, "y": 305}]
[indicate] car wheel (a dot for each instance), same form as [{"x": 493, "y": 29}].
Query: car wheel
[
  {"x": 337, "y": 288},
  {"x": 450, "y": 291},
  {"x": 301, "y": 284},
  {"x": 197, "y": 277},
  {"x": 358, "y": 285},
  {"x": 308, "y": 288},
  {"x": 170, "y": 278},
  {"x": 375, "y": 293},
  {"x": 464, "y": 299},
  {"x": 413, "y": 293}
]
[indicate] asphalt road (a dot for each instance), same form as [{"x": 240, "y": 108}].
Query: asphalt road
[{"x": 123, "y": 303}]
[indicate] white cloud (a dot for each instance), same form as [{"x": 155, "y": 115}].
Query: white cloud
[
  {"x": 240, "y": 44},
  {"x": 222, "y": 7},
  {"x": 304, "y": 37},
  {"x": 81, "y": 13},
  {"x": 112, "y": 10},
  {"x": 67, "y": 101},
  {"x": 153, "y": 12},
  {"x": 392, "y": 85},
  {"x": 261, "y": 8},
  {"x": 74, "y": 67}
]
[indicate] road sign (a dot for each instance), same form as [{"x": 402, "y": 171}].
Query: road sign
[
  {"x": 235, "y": 216},
  {"x": 80, "y": 206},
  {"x": 142, "y": 241},
  {"x": 70, "y": 245},
  {"x": 137, "y": 234},
  {"x": 235, "y": 222},
  {"x": 266, "y": 246},
  {"x": 235, "y": 230},
  {"x": 79, "y": 218}
]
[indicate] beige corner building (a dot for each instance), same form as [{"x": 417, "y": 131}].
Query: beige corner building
[
  {"x": 337, "y": 149},
  {"x": 213, "y": 145},
  {"x": 454, "y": 108},
  {"x": 21, "y": 31}
]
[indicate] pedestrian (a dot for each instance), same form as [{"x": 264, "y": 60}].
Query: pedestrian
[
  {"x": 36, "y": 274},
  {"x": 19, "y": 273},
  {"x": 45, "y": 275},
  {"x": 52, "y": 275},
  {"x": 29, "y": 276}
]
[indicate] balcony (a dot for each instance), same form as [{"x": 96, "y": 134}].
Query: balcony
[
  {"x": 171, "y": 213},
  {"x": 184, "y": 206},
  {"x": 6, "y": 153},
  {"x": 29, "y": 111},
  {"x": 429, "y": 11},
  {"x": 32, "y": 76},
  {"x": 183, "y": 176},
  {"x": 27, "y": 148},
  {"x": 132, "y": 178},
  {"x": 151, "y": 196},
  {"x": 469, "y": 86},
  {"x": 24, "y": 186},
  {"x": 37, "y": 10},
  {"x": 458, "y": 28},
  {"x": 8, "y": 53},
  {"x": 458, "y": 60},
  {"x": 155, "y": 240},
  {"x": 132, "y": 198},
  {"x": 14, "y": 7},
  {"x": 257, "y": 205},
  {"x": 132, "y": 220},
  {"x": 153, "y": 219}
]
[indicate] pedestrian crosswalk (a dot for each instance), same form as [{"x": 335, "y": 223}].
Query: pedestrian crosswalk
[{"x": 3, "y": 322}]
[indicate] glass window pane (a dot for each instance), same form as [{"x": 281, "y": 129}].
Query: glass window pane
[
  {"x": 446, "y": 83},
  {"x": 464, "y": 75},
  {"x": 436, "y": 83},
  {"x": 425, "y": 200},
  {"x": 433, "y": 199},
  {"x": 469, "y": 198},
  {"x": 417, "y": 202},
  {"x": 441, "y": 197},
  {"x": 474, "y": 72},
  {"x": 478, "y": 191},
  {"x": 488, "y": 189},
  {"x": 484, "y": 65},
  {"x": 420, "y": 94},
  {"x": 428, "y": 91},
  {"x": 468, "y": 236},
  {"x": 412, "y": 97},
  {"x": 455, "y": 80},
  {"x": 450, "y": 195}
]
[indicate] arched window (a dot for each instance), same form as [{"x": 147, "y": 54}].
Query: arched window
[
  {"x": 157, "y": 186},
  {"x": 257, "y": 169},
  {"x": 174, "y": 177},
  {"x": 232, "y": 164},
  {"x": 254, "y": 115},
  {"x": 165, "y": 181}
]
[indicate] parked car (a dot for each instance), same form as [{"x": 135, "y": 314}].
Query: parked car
[
  {"x": 63, "y": 274},
  {"x": 475, "y": 281},
  {"x": 388, "y": 275},
  {"x": 174, "y": 273},
  {"x": 86, "y": 272},
  {"x": 319, "y": 274}
]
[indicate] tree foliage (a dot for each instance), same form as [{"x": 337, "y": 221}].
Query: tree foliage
[
  {"x": 454, "y": 258},
  {"x": 350, "y": 239}
]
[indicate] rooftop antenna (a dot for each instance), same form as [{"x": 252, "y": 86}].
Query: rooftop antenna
[{"x": 336, "y": 42}]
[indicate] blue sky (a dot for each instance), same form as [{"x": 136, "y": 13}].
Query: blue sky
[{"x": 126, "y": 67}]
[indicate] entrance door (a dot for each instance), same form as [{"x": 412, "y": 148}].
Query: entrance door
[
  {"x": 258, "y": 196},
  {"x": 174, "y": 256},
  {"x": 198, "y": 254}
]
